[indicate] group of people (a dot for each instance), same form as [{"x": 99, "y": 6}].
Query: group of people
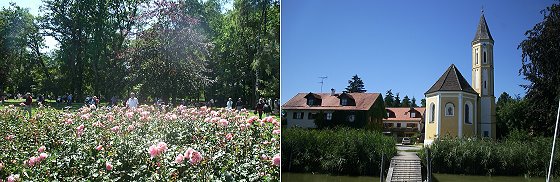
[
  {"x": 238, "y": 104},
  {"x": 266, "y": 107}
]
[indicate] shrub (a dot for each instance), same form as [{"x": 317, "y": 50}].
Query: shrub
[
  {"x": 518, "y": 154},
  {"x": 144, "y": 144},
  {"x": 341, "y": 151}
]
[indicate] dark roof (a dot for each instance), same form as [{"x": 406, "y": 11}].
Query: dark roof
[
  {"x": 312, "y": 95},
  {"x": 364, "y": 101},
  {"x": 452, "y": 80},
  {"x": 345, "y": 95},
  {"x": 482, "y": 31}
]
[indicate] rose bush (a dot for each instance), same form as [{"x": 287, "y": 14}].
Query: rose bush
[{"x": 144, "y": 144}]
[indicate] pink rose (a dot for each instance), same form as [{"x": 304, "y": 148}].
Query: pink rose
[
  {"x": 223, "y": 122},
  {"x": 196, "y": 157},
  {"x": 13, "y": 178},
  {"x": 42, "y": 149},
  {"x": 99, "y": 147},
  {"x": 33, "y": 161},
  {"x": 80, "y": 130},
  {"x": 85, "y": 116},
  {"x": 276, "y": 160},
  {"x": 116, "y": 129},
  {"x": 145, "y": 113},
  {"x": 108, "y": 166},
  {"x": 68, "y": 121},
  {"x": 1, "y": 166},
  {"x": 110, "y": 117},
  {"x": 10, "y": 137},
  {"x": 189, "y": 152},
  {"x": 43, "y": 156},
  {"x": 130, "y": 127},
  {"x": 179, "y": 159},
  {"x": 153, "y": 151},
  {"x": 162, "y": 146},
  {"x": 129, "y": 115},
  {"x": 276, "y": 132},
  {"x": 229, "y": 136}
]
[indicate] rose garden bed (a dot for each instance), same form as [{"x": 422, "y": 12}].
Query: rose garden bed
[{"x": 144, "y": 144}]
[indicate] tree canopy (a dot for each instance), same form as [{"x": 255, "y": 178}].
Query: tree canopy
[
  {"x": 355, "y": 85},
  {"x": 541, "y": 67},
  {"x": 184, "y": 49}
]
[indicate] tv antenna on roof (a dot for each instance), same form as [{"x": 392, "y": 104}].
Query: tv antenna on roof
[{"x": 322, "y": 81}]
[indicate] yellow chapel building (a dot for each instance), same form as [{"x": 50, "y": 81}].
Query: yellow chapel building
[{"x": 453, "y": 107}]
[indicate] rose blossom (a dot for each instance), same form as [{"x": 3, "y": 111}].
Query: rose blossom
[
  {"x": 179, "y": 159},
  {"x": 196, "y": 157},
  {"x": 13, "y": 178},
  {"x": 223, "y": 122},
  {"x": 43, "y": 156},
  {"x": 276, "y": 132},
  {"x": 108, "y": 166},
  {"x": 130, "y": 127},
  {"x": 229, "y": 136},
  {"x": 116, "y": 129},
  {"x": 189, "y": 152},
  {"x": 42, "y": 149},
  {"x": 276, "y": 160},
  {"x": 99, "y": 147},
  {"x": 80, "y": 130}
]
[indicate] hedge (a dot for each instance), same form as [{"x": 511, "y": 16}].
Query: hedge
[
  {"x": 340, "y": 151},
  {"x": 516, "y": 155}
]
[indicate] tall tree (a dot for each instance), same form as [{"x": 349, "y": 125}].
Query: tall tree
[
  {"x": 397, "y": 102},
  {"x": 405, "y": 102},
  {"x": 22, "y": 64},
  {"x": 389, "y": 99},
  {"x": 541, "y": 66},
  {"x": 423, "y": 103},
  {"x": 92, "y": 35},
  {"x": 413, "y": 102},
  {"x": 355, "y": 85}
]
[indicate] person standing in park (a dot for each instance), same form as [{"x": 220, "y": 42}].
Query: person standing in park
[
  {"x": 113, "y": 101},
  {"x": 132, "y": 102},
  {"x": 69, "y": 100},
  {"x": 27, "y": 103},
  {"x": 239, "y": 104},
  {"x": 259, "y": 108},
  {"x": 229, "y": 104}
]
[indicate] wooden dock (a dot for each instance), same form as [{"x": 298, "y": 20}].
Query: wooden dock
[{"x": 405, "y": 167}]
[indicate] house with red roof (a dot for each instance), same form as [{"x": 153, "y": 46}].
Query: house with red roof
[
  {"x": 404, "y": 121},
  {"x": 359, "y": 110}
]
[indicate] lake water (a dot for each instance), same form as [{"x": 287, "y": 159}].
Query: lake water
[{"x": 307, "y": 177}]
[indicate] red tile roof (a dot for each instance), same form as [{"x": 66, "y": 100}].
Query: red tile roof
[
  {"x": 402, "y": 113},
  {"x": 364, "y": 101}
]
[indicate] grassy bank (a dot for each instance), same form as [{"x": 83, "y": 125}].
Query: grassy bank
[
  {"x": 341, "y": 151},
  {"x": 516, "y": 155}
]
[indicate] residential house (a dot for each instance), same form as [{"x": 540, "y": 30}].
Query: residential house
[
  {"x": 404, "y": 121},
  {"x": 349, "y": 109}
]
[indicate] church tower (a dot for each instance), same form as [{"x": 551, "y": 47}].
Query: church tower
[{"x": 483, "y": 77}]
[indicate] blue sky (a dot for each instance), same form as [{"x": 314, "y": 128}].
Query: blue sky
[{"x": 398, "y": 45}]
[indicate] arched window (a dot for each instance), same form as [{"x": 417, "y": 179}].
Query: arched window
[
  {"x": 476, "y": 57},
  {"x": 484, "y": 57},
  {"x": 432, "y": 112},
  {"x": 468, "y": 113},
  {"x": 449, "y": 109}
]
